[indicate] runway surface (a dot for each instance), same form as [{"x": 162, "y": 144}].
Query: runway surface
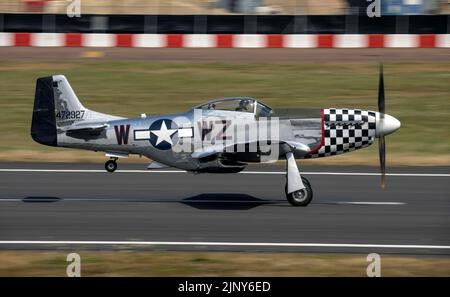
[
  {"x": 228, "y": 55},
  {"x": 83, "y": 206}
]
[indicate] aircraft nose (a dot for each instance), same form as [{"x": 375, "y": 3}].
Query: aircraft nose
[{"x": 386, "y": 125}]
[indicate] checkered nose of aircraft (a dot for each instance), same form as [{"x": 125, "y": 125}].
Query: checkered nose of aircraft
[{"x": 386, "y": 124}]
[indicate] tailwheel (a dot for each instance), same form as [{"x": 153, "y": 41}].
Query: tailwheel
[
  {"x": 301, "y": 197},
  {"x": 111, "y": 165}
]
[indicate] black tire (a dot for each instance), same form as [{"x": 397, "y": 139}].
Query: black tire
[
  {"x": 294, "y": 198},
  {"x": 111, "y": 166}
]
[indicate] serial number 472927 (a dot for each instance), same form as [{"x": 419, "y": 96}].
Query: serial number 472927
[{"x": 70, "y": 115}]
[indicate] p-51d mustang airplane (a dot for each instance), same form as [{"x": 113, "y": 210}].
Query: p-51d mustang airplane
[{"x": 220, "y": 136}]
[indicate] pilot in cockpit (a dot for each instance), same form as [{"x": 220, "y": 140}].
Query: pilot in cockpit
[{"x": 245, "y": 105}]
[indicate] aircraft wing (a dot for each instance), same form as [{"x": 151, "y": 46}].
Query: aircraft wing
[
  {"x": 217, "y": 149},
  {"x": 208, "y": 151}
]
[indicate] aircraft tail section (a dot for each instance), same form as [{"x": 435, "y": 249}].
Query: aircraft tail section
[{"x": 58, "y": 109}]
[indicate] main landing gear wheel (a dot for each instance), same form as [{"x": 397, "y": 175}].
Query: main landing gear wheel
[
  {"x": 301, "y": 197},
  {"x": 111, "y": 165}
]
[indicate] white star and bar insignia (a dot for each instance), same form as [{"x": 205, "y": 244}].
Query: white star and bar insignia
[{"x": 163, "y": 134}]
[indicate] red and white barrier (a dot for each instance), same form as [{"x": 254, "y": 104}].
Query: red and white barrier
[{"x": 226, "y": 40}]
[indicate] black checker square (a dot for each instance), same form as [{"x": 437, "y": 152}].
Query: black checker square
[{"x": 342, "y": 128}]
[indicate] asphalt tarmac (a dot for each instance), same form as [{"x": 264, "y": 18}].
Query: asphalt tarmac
[{"x": 65, "y": 205}]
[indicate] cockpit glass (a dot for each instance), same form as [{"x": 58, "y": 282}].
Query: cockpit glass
[
  {"x": 262, "y": 110},
  {"x": 242, "y": 105}
]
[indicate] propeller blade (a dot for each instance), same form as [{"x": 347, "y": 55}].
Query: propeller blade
[
  {"x": 381, "y": 141},
  {"x": 382, "y": 153},
  {"x": 381, "y": 92}
]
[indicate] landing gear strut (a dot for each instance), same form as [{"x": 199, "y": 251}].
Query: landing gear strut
[
  {"x": 111, "y": 165},
  {"x": 298, "y": 189}
]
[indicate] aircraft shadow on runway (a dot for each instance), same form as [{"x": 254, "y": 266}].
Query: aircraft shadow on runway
[
  {"x": 219, "y": 201},
  {"x": 225, "y": 201},
  {"x": 41, "y": 199},
  {"x": 205, "y": 201}
]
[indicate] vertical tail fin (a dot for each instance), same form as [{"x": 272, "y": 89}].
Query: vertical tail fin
[
  {"x": 68, "y": 109},
  {"x": 65, "y": 97}
]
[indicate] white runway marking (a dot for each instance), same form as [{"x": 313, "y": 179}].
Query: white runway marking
[
  {"x": 244, "y": 172},
  {"x": 43, "y": 200},
  {"x": 370, "y": 203},
  {"x": 259, "y": 202},
  {"x": 354, "y": 173},
  {"x": 237, "y": 244}
]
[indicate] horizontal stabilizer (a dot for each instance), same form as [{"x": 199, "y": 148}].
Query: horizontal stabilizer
[
  {"x": 87, "y": 127},
  {"x": 85, "y": 131}
]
